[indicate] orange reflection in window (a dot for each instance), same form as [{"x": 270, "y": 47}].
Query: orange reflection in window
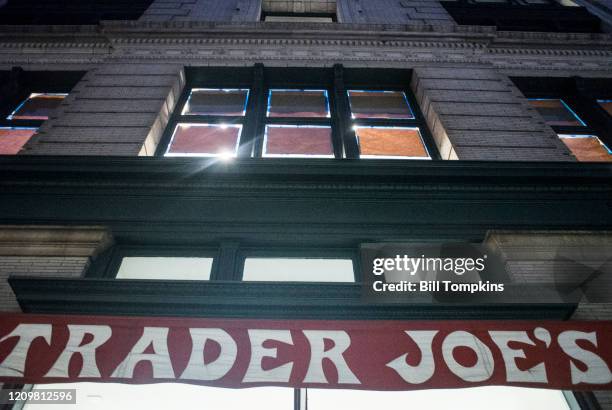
[
  {"x": 391, "y": 142},
  {"x": 379, "y": 104},
  {"x": 13, "y": 139},
  {"x": 587, "y": 149},
  {"x": 555, "y": 112},
  {"x": 204, "y": 140},
  {"x": 606, "y": 105},
  {"x": 296, "y": 103},
  {"x": 298, "y": 141},
  {"x": 38, "y": 107}
]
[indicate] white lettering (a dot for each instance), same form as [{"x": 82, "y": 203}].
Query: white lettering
[
  {"x": 536, "y": 374},
  {"x": 426, "y": 368},
  {"x": 196, "y": 368},
  {"x": 14, "y": 363},
  {"x": 255, "y": 372},
  {"x": 482, "y": 370},
  {"x": 342, "y": 341},
  {"x": 597, "y": 371},
  {"x": 160, "y": 360},
  {"x": 87, "y": 351}
]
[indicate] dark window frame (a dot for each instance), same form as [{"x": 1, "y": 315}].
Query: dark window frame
[
  {"x": 66, "y": 12},
  {"x": 228, "y": 257},
  {"x": 264, "y": 14},
  {"x": 336, "y": 80},
  {"x": 309, "y": 252},
  {"x": 516, "y": 15},
  {"x": 581, "y": 95},
  {"x": 16, "y": 86},
  {"x": 107, "y": 264}
]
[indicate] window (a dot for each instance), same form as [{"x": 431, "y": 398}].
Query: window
[
  {"x": 73, "y": 12},
  {"x": 228, "y": 261},
  {"x": 25, "y": 119},
  {"x": 606, "y": 105},
  {"x": 170, "y": 268},
  {"x": 298, "y": 124},
  {"x": 298, "y": 269},
  {"x": 280, "y": 17},
  {"x": 320, "y": 11},
  {"x": 171, "y": 395},
  {"x": 210, "y": 123},
  {"x": 31, "y": 98},
  {"x": 524, "y": 15},
  {"x": 577, "y": 110},
  {"x": 297, "y": 113}
]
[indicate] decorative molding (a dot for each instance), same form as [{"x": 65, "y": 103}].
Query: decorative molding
[
  {"x": 35, "y": 240},
  {"x": 240, "y": 42},
  {"x": 267, "y": 300}
]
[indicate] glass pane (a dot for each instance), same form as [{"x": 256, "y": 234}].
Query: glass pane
[
  {"x": 606, "y": 105},
  {"x": 298, "y": 103},
  {"x": 490, "y": 1},
  {"x": 37, "y": 106},
  {"x": 163, "y": 396},
  {"x": 205, "y": 140},
  {"x": 298, "y": 141},
  {"x": 144, "y": 267},
  {"x": 13, "y": 139},
  {"x": 476, "y": 398},
  {"x": 390, "y": 142},
  {"x": 568, "y": 3},
  {"x": 207, "y": 101},
  {"x": 556, "y": 112},
  {"x": 299, "y": 19},
  {"x": 298, "y": 269},
  {"x": 379, "y": 104},
  {"x": 587, "y": 148}
]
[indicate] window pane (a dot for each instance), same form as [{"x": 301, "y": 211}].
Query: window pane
[
  {"x": 205, "y": 140},
  {"x": 476, "y": 398},
  {"x": 206, "y": 101},
  {"x": 390, "y": 142},
  {"x": 568, "y": 3},
  {"x": 37, "y": 106},
  {"x": 299, "y": 19},
  {"x": 606, "y": 105},
  {"x": 13, "y": 139},
  {"x": 118, "y": 396},
  {"x": 298, "y": 103},
  {"x": 587, "y": 148},
  {"x": 379, "y": 104},
  {"x": 298, "y": 269},
  {"x": 144, "y": 267},
  {"x": 298, "y": 141},
  {"x": 556, "y": 112}
]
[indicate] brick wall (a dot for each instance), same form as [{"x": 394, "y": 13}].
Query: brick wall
[
  {"x": 203, "y": 10},
  {"x": 116, "y": 109},
  {"x": 46, "y": 251},
  {"x": 393, "y": 12},
  {"x": 34, "y": 266},
  {"x": 478, "y": 114}
]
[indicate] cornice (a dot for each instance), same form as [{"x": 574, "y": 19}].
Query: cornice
[{"x": 194, "y": 42}]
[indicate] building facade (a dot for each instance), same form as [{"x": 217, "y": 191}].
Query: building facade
[{"x": 168, "y": 129}]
